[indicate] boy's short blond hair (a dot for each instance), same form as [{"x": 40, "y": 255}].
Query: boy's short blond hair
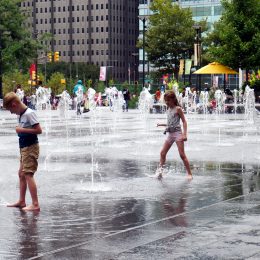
[{"x": 9, "y": 98}]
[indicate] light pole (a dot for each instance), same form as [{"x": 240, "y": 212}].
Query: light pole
[
  {"x": 143, "y": 18},
  {"x": 135, "y": 54},
  {"x": 1, "y": 70},
  {"x": 2, "y": 34},
  {"x": 35, "y": 37},
  {"x": 197, "y": 52},
  {"x": 108, "y": 75}
]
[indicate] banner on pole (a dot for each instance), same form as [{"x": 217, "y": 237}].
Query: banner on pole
[
  {"x": 181, "y": 66},
  {"x": 240, "y": 78},
  {"x": 32, "y": 71},
  {"x": 102, "y": 74},
  {"x": 187, "y": 66},
  {"x": 215, "y": 81}
]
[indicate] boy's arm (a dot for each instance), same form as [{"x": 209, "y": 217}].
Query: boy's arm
[{"x": 36, "y": 129}]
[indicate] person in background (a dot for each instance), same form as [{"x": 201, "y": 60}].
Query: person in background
[
  {"x": 79, "y": 92},
  {"x": 157, "y": 95},
  {"x": 126, "y": 94}
]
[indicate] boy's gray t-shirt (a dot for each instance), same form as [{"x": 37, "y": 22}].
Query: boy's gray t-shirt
[{"x": 27, "y": 120}]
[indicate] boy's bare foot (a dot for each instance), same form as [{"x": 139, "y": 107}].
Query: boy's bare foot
[
  {"x": 31, "y": 208},
  {"x": 17, "y": 205}
]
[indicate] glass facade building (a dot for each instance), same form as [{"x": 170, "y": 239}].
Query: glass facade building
[{"x": 209, "y": 10}]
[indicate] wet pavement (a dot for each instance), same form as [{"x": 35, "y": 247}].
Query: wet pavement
[{"x": 100, "y": 199}]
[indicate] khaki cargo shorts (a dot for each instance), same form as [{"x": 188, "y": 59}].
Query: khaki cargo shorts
[{"x": 29, "y": 158}]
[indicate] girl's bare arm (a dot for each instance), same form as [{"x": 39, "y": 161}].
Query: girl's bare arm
[{"x": 161, "y": 124}]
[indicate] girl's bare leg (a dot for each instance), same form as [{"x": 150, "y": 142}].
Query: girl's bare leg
[
  {"x": 180, "y": 145},
  {"x": 166, "y": 147},
  {"x": 163, "y": 154}
]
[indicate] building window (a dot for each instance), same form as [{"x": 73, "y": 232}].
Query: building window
[
  {"x": 201, "y": 11},
  {"x": 218, "y": 10}
]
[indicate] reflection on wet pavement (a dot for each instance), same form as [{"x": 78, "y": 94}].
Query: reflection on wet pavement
[{"x": 100, "y": 200}]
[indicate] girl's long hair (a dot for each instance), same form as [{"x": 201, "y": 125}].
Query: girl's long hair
[{"x": 171, "y": 95}]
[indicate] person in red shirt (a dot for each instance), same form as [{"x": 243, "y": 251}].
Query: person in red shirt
[{"x": 157, "y": 95}]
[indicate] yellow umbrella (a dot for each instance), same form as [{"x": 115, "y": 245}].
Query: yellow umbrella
[{"x": 215, "y": 68}]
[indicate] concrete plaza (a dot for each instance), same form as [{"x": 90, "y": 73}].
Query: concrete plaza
[{"x": 100, "y": 199}]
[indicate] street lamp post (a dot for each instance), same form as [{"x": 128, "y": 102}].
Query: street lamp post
[
  {"x": 1, "y": 69},
  {"x": 35, "y": 37},
  {"x": 143, "y": 18},
  {"x": 2, "y": 34},
  {"x": 135, "y": 55},
  {"x": 197, "y": 52}
]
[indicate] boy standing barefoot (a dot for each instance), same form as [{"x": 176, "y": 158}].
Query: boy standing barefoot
[{"x": 28, "y": 128}]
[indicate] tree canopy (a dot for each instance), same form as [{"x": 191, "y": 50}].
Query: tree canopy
[
  {"x": 235, "y": 40},
  {"x": 18, "y": 47},
  {"x": 170, "y": 33}
]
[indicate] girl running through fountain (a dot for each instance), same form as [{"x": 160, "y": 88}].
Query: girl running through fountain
[{"x": 175, "y": 134}]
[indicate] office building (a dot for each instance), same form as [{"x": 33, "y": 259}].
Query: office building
[{"x": 100, "y": 32}]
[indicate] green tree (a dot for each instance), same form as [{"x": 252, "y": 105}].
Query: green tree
[
  {"x": 55, "y": 83},
  {"x": 13, "y": 78},
  {"x": 235, "y": 40},
  {"x": 170, "y": 33},
  {"x": 100, "y": 86},
  {"x": 74, "y": 71},
  {"x": 18, "y": 48}
]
